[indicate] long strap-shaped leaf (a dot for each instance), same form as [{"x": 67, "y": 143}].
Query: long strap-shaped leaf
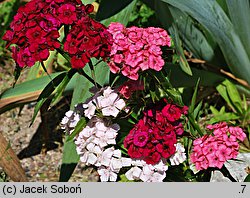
[{"x": 214, "y": 19}]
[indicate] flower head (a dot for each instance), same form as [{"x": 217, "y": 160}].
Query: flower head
[
  {"x": 154, "y": 137},
  {"x": 136, "y": 49},
  {"x": 215, "y": 149}
]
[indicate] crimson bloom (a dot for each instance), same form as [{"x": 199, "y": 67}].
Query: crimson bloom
[
  {"x": 67, "y": 14},
  {"x": 154, "y": 137},
  {"x": 35, "y": 27}
]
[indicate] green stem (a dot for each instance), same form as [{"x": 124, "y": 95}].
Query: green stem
[
  {"x": 92, "y": 72},
  {"x": 46, "y": 71},
  {"x": 82, "y": 72},
  {"x": 63, "y": 54},
  {"x": 195, "y": 125}
]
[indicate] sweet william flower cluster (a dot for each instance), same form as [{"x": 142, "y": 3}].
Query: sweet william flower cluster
[
  {"x": 154, "y": 137},
  {"x": 94, "y": 142},
  {"x": 215, "y": 149},
  {"x": 35, "y": 32},
  {"x": 136, "y": 49}
]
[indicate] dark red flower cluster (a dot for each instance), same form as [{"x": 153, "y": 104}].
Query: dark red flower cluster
[
  {"x": 35, "y": 27},
  {"x": 154, "y": 136},
  {"x": 130, "y": 86},
  {"x": 86, "y": 39}
]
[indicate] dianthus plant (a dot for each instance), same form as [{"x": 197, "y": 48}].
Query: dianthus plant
[{"x": 133, "y": 126}]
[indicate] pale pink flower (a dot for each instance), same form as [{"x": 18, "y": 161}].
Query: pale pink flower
[
  {"x": 179, "y": 156},
  {"x": 110, "y": 103},
  {"x": 105, "y": 135},
  {"x": 69, "y": 121},
  {"x": 106, "y": 174},
  {"x": 133, "y": 173},
  {"x": 105, "y": 157},
  {"x": 147, "y": 172},
  {"x": 89, "y": 111}
]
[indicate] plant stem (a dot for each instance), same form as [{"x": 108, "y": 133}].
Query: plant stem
[
  {"x": 92, "y": 71},
  {"x": 195, "y": 125},
  {"x": 44, "y": 68},
  {"x": 82, "y": 72}
]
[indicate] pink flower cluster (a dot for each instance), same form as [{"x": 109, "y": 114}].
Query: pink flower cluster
[
  {"x": 35, "y": 27},
  {"x": 154, "y": 137},
  {"x": 136, "y": 49},
  {"x": 215, "y": 149}
]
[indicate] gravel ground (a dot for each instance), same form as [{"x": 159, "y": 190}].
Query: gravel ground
[{"x": 40, "y": 162}]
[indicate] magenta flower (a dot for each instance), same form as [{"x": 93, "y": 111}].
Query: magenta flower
[
  {"x": 140, "y": 139},
  {"x": 154, "y": 137},
  {"x": 67, "y": 14},
  {"x": 171, "y": 112}
]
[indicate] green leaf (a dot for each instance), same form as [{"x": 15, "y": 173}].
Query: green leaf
[
  {"x": 214, "y": 19},
  {"x": 176, "y": 96},
  {"x": 70, "y": 159},
  {"x": 87, "y": 1},
  {"x": 191, "y": 113},
  {"x": 60, "y": 89},
  {"x": 223, "y": 117},
  {"x": 23, "y": 93},
  {"x": 223, "y": 92},
  {"x": 193, "y": 38},
  {"x": 37, "y": 70},
  {"x": 234, "y": 95},
  {"x": 80, "y": 92},
  {"x": 193, "y": 101},
  {"x": 197, "y": 110},
  {"x": 123, "y": 178},
  {"x": 106, "y": 10},
  {"x": 214, "y": 110},
  {"x": 231, "y": 95},
  {"x": 80, "y": 125},
  {"x": 206, "y": 78},
  {"x": 247, "y": 179},
  {"x": 178, "y": 44},
  {"x": 240, "y": 17},
  {"x": 17, "y": 74},
  {"x": 222, "y": 110},
  {"x": 46, "y": 93}
]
